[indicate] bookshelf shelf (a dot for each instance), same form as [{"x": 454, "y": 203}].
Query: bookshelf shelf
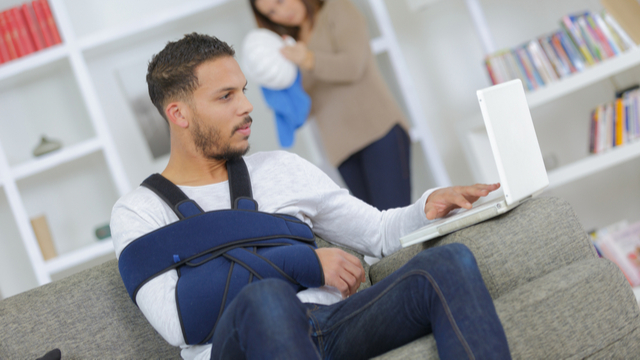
[
  {"x": 585, "y": 78},
  {"x": 593, "y": 164},
  {"x": 33, "y": 61},
  {"x": 146, "y": 25},
  {"x": 80, "y": 256},
  {"x": 57, "y": 158}
]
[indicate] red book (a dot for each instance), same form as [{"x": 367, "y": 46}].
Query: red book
[
  {"x": 51, "y": 22},
  {"x": 6, "y": 37},
  {"x": 42, "y": 22},
  {"x": 23, "y": 30},
  {"x": 4, "y": 52},
  {"x": 15, "y": 34},
  {"x": 34, "y": 28},
  {"x": 6, "y": 34}
]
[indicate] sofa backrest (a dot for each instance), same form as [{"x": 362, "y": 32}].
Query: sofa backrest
[{"x": 88, "y": 315}]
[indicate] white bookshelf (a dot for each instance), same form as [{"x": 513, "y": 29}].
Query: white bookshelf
[{"x": 24, "y": 180}]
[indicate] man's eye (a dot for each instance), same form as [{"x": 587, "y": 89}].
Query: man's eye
[
  {"x": 244, "y": 90},
  {"x": 226, "y": 96}
]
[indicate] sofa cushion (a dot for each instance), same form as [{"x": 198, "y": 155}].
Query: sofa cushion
[{"x": 86, "y": 316}]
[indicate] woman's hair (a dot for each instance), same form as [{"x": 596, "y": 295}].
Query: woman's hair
[{"x": 311, "y": 5}]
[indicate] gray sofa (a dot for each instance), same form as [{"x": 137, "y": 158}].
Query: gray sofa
[{"x": 555, "y": 298}]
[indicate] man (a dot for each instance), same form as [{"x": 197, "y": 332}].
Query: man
[{"x": 198, "y": 87}]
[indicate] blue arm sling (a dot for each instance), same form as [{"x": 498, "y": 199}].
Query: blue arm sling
[{"x": 217, "y": 253}]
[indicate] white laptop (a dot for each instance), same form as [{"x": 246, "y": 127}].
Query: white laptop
[{"x": 517, "y": 156}]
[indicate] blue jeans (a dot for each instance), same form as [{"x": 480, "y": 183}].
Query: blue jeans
[
  {"x": 380, "y": 173},
  {"x": 439, "y": 291}
]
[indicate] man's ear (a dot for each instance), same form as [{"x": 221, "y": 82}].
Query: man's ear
[{"x": 177, "y": 113}]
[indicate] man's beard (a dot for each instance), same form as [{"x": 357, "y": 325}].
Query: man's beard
[{"x": 208, "y": 141}]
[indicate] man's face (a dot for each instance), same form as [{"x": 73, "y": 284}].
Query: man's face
[{"x": 221, "y": 124}]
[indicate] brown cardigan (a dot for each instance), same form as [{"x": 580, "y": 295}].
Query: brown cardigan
[{"x": 350, "y": 100}]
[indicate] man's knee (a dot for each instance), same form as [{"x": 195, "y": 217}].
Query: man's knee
[
  {"x": 452, "y": 257},
  {"x": 267, "y": 294}
]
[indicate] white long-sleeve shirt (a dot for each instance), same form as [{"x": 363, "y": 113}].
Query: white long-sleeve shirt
[{"x": 282, "y": 183}]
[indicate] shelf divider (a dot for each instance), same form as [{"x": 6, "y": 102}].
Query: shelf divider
[{"x": 49, "y": 161}]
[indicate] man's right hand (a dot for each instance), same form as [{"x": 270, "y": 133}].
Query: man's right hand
[{"x": 341, "y": 270}]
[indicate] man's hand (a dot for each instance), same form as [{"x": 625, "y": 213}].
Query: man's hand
[
  {"x": 442, "y": 201},
  {"x": 341, "y": 270}
]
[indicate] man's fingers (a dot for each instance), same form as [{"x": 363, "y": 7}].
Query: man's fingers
[
  {"x": 460, "y": 200},
  {"x": 351, "y": 282}
]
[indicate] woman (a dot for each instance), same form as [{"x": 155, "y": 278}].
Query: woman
[{"x": 362, "y": 127}]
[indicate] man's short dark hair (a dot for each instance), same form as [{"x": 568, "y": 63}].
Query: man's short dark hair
[{"x": 171, "y": 74}]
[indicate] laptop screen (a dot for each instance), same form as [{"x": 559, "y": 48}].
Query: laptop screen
[{"x": 513, "y": 140}]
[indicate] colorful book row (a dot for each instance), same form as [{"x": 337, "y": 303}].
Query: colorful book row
[
  {"x": 583, "y": 40},
  {"x": 25, "y": 29},
  {"x": 620, "y": 243},
  {"x": 616, "y": 123}
]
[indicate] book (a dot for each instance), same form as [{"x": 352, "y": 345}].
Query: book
[
  {"x": 562, "y": 54},
  {"x": 560, "y": 68},
  {"x": 34, "y": 28},
  {"x": 4, "y": 52},
  {"x": 602, "y": 128},
  {"x": 15, "y": 34},
  {"x": 577, "y": 39},
  {"x": 517, "y": 70},
  {"x": 626, "y": 39},
  {"x": 43, "y": 235},
  {"x": 51, "y": 22},
  {"x": 528, "y": 69},
  {"x": 23, "y": 30},
  {"x": 592, "y": 132},
  {"x": 8, "y": 38},
  {"x": 611, "y": 126},
  {"x": 599, "y": 35},
  {"x": 627, "y": 14},
  {"x": 541, "y": 61},
  {"x": 492, "y": 76},
  {"x": 608, "y": 34},
  {"x": 623, "y": 248},
  {"x": 619, "y": 120},
  {"x": 592, "y": 44},
  {"x": 572, "y": 51},
  {"x": 42, "y": 22}
]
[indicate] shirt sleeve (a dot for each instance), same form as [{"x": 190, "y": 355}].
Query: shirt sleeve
[
  {"x": 340, "y": 218},
  {"x": 350, "y": 37},
  {"x": 134, "y": 215}
]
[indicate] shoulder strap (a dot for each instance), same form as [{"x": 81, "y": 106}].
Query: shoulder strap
[
  {"x": 240, "y": 185},
  {"x": 173, "y": 196},
  {"x": 239, "y": 189}
]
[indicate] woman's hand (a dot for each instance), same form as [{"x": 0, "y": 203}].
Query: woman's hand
[
  {"x": 300, "y": 55},
  {"x": 442, "y": 201}
]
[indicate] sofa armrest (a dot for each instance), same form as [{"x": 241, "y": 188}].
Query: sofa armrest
[{"x": 526, "y": 243}]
